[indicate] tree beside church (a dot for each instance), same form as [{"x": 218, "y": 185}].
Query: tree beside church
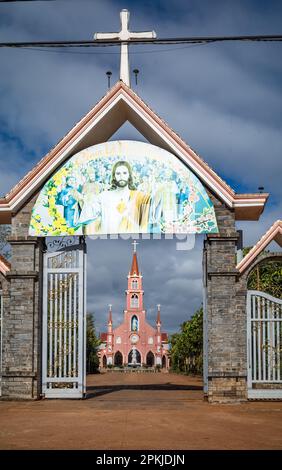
[
  {"x": 92, "y": 344},
  {"x": 187, "y": 346}
]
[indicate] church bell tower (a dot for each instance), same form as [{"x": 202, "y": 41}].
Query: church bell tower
[{"x": 134, "y": 292}]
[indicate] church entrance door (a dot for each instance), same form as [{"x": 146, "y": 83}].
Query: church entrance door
[
  {"x": 104, "y": 362},
  {"x": 150, "y": 359},
  {"x": 64, "y": 323},
  {"x": 118, "y": 359}
]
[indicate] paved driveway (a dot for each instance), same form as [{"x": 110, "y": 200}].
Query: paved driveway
[{"x": 140, "y": 411}]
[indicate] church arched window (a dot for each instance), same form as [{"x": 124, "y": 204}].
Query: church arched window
[
  {"x": 134, "y": 301},
  {"x": 134, "y": 323},
  {"x": 134, "y": 284}
]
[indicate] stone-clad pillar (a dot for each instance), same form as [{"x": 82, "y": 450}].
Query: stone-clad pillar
[
  {"x": 5, "y": 300},
  {"x": 226, "y": 313},
  {"x": 22, "y": 321}
]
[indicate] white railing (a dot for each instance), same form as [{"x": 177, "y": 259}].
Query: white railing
[{"x": 264, "y": 341}]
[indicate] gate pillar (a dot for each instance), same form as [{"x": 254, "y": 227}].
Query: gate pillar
[
  {"x": 4, "y": 305},
  {"x": 21, "y": 322},
  {"x": 21, "y": 354},
  {"x": 225, "y": 358}
]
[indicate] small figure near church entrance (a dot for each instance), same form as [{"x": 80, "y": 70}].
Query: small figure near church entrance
[{"x": 134, "y": 358}]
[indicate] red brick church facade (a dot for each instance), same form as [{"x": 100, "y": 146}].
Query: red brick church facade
[{"x": 135, "y": 342}]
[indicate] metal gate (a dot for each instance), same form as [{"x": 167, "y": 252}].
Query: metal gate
[
  {"x": 264, "y": 336},
  {"x": 64, "y": 323}
]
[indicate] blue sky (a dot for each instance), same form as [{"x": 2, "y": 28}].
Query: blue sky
[{"x": 223, "y": 99}]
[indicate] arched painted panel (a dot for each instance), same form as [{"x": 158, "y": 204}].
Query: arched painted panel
[{"x": 122, "y": 187}]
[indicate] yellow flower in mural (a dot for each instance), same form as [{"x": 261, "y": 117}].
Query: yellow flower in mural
[
  {"x": 53, "y": 191},
  {"x": 58, "y": 179},
  {"x": 57, "y": 224},
  {"x": 52, "y": 201}
]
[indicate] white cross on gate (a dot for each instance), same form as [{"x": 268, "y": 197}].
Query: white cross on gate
[
  {"x": 135, "y": 243},
  {"x": 125, "y": 35}
]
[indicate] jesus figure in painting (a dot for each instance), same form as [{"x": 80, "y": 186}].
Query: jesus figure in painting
[{"x": 121, "y": 209}]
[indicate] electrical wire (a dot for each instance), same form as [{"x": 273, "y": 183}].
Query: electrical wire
[
  {"x": 117, "y": 42},
  {"x": 114, "y": 53}
]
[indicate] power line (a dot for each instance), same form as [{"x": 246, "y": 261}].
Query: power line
[
  {"x": 116, "y": 42},
  {"x": 21, "y": 1},
  {"x": 66, "y": 51}
]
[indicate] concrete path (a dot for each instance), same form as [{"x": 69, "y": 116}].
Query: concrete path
[{"x": 140, "y": 411}]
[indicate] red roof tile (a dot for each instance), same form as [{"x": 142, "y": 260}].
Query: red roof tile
[{"x": 134, "y": 266}]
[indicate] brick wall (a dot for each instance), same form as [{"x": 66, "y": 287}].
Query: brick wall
[{"x": 21, "y": 325}]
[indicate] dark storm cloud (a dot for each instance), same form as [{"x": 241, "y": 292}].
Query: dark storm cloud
[
  {"x": 223, "y": 99},
  {"x": 172, "y": 280}
]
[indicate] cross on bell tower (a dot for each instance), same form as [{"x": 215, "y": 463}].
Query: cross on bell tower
[
  {"x": 125, "y": 35},
  {"x": 134, "y": 243}
]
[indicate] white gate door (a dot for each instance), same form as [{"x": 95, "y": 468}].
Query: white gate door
[
  {"x": 64, "y": 324},
  {"x": 264, "y": 336}
]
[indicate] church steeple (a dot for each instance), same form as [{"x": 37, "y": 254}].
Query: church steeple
[
  {"x": 134, "y": 264},
  {"x": 134, "y": 293},
  {"x": 110, "y": 319},
  {"x": 158, "y": 322}
]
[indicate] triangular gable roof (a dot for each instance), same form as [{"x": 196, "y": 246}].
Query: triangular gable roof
[
  {"x": 119, "y": 105},
  {"x": 5, "y": 266},
  {"x": 273, "y": 234}
]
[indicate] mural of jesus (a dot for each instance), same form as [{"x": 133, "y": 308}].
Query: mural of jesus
[{"x": 120, "y": 209}]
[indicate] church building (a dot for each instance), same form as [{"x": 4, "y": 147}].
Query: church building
[{"x": 135, "y": 342}]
